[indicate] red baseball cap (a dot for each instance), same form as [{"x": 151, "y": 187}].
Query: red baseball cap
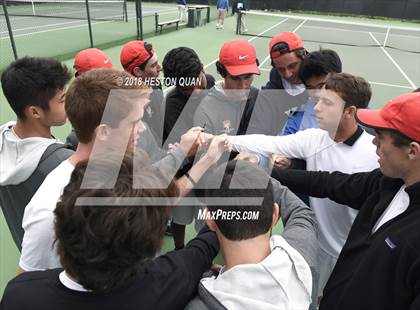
[
  {"x": 133, "y": 54},
  {"x": 239, "y": 57},
  {"x": 290, "y": 38},
  {"x": 401, "y": 114},
  {"x": 91, "y": 58}
]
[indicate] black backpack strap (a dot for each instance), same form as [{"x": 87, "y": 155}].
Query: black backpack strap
[
  {"x": 246, "y": 116},
  {"x": 249, "y": 107},
  {"x": 54, "y": 155},
  {"x": 14, "y": 198}
]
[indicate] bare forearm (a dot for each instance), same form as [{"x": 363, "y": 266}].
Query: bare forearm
[{"x": 196, "y": 172}]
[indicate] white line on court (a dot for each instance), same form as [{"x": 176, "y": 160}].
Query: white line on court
[
  {"x": 51, "y": 30},
  {"x": 393, "y": 61},
  {"x": 386, "y": 37},
  {"x": 338, "y": 21},
  {"x": 81, "y": 23},
  {"x": 391, "y": 85},
  {"x": 364, "y": 31},
  {"x": 146, "y": 10},
  {"x": 268, "y": 56}
]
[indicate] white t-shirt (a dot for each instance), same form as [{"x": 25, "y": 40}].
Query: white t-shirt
[
  {"x": 38, "y": 249},
  {"x": 71, "y": 284},
  {"x": 398, "y": 205},
  {"x": 321, "y": 154},
  {"x": 293, "y": 89}
]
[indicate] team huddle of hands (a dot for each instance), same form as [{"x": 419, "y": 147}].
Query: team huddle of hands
[{"x": 196, "y": 140}]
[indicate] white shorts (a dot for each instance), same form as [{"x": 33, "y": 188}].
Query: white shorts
[{"x": 222, "y": 13}]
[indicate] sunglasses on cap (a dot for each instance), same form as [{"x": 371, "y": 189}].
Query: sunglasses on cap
[
  {"x": 148, "y": 47},
  {"x": 282, "y": 48}
]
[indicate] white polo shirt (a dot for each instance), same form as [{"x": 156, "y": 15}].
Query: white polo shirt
[{"x": 321, "y": 153}]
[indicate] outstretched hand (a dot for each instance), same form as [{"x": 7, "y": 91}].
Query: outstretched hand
[{"x": 218, "y": 145}]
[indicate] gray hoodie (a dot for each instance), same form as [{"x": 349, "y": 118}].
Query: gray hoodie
[
  {"x": 285, "y": 279},
  {"x": 219, "y": 113},
  {"x": 19, "y": 157},
  {"x": 21, "y": 172}
]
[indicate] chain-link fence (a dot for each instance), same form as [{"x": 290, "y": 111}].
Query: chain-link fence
[
  {"x": 403, "y": 9},
  {"x": 61, "y": 28}
]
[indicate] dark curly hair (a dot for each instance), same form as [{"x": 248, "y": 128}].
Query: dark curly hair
[
  {"x": 320, "y": 63},
  {"x": 104, "y": 245},
  {"x": 181, "y": 62},
  {"x": 33, "y": 81}
]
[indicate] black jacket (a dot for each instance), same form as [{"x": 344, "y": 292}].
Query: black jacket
[
  {"x": 274, "y": 81},
  {"x": 167, "y": 282},
  {"x": 154, "y": 113},
  {"x": 238, "y": 5},
  {"x": 174, "y": 108},
  {"x": 374, "y": 271}
]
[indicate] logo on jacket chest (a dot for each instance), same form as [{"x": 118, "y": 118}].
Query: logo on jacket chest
[
  {"x": 149, "y": 111},
  {"x": 227, "y": 127}
]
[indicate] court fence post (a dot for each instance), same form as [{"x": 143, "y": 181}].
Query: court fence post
[
  {"x": 89, "y": 23},
  {"x": 125, "y": 14},
  {"x": 9, "y": 29},
  {"x": 139, "y": 18}
]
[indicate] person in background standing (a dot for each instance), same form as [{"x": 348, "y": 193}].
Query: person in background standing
[
  {"x": 222, "y": 6},
  {"x": 182, "y": 9},
  {"x": 237, "y": 7}
]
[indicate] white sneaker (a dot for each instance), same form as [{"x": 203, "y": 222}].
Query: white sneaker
[
  {"x": 221, "y": 27},
  {"x": 217, "y": 26}
]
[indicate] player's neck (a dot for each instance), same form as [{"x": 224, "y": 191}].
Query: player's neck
[
  {"x": 250, "y": 251},
  {"x": 345, "y": 131},
  {"x": 413, "y": 175},
  {"x": 83, "y": 152},
  {"x": 27, "y": 129}
]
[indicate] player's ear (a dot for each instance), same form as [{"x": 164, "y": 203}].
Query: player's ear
[
  {"x": 102, "y": 132},
  {"x": 276, "y": 214},
  {"x": 209, "y": 221}
]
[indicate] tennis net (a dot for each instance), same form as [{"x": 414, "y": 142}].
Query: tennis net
[
  {"x": 71, "y": 9},
  {"x": 330, "y": 31}
]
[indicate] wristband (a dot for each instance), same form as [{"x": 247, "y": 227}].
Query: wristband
[{"x": 190, "y": 179}]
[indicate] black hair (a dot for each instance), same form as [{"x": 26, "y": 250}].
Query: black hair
[
  {"x": 241, "y": 180},
  {"x": 319, "y": 63},
  {"x": 398, "y": 139},
  {"x": 33, "y": 81},
  {"x": 181, "y": 62}
]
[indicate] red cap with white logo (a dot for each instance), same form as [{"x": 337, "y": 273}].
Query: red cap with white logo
[
  {"x": 239, "y": 57},
  {"x": 89, "y": 59}
]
